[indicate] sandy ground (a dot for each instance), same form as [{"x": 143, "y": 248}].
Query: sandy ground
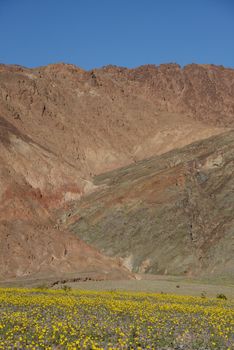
[
  {"x": 151, "y": 284},
  {"x": 162, "y": 284}
]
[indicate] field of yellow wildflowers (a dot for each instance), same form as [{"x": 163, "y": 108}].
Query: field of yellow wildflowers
[{"x": 57, "y": 319}]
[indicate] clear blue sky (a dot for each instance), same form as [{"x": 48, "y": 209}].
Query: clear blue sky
[{"x": 93, "y": 33}]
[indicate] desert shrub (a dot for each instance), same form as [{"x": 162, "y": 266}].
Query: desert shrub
[
  {"x": 203, "y": 294},
  {"x": 221, "y": 296},
  {"x": 66, "y": 288}
]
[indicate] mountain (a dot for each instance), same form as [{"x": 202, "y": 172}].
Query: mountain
[
  {"x": 170, "y": 214},
  {"x": 61, "y": 126}
]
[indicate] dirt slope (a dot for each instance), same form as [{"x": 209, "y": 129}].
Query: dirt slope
[{"x": 171, "y": 214}]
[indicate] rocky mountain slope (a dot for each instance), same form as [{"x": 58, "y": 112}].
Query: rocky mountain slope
[
  {"x": 170, "y": 214},
  {"x": 34, "y": 181},
  {"x": 109, "y": 117},
  {"x": 61, "y": 125}
]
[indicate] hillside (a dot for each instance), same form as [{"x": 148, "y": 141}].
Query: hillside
[
  {"x": 61, "y": 126},
  {"x": 34, "y": 181},
  {"x": 171, "y": 214}
]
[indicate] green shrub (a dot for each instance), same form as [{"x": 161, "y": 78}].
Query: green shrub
[{"x": 221, "y": 296}]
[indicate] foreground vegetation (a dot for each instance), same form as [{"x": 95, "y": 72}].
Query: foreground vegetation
[{"x": 63, "y": 319}]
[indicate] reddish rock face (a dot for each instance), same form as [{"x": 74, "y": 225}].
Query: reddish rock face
[
  {"x": 33, "y": 182},
  {"x": 60, "y": 125}
]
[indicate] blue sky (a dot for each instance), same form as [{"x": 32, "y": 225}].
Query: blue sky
[{"x": 94, "y": 33}]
